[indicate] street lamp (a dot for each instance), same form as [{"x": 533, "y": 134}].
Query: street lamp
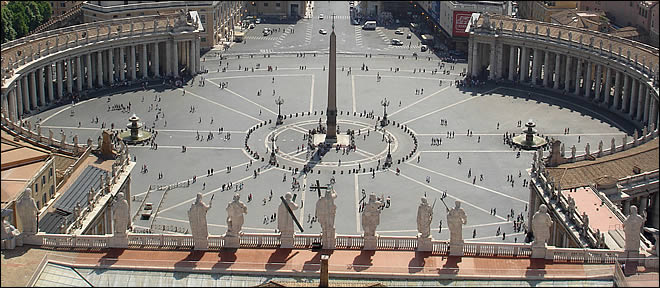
[
  {"x": 279, "y": 101},
  {"x": 384, "y": 103},
  {"x": 388, "y": 159}
]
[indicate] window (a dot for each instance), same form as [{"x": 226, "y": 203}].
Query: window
[
  {"x": 141, "y": 13},
  {"x": 62, "y": 4},
  {"x": 203, "y": 18},
  {"x": 36, "y": 187},
  {"x": 52, "y": 191},
  {"x": 202, "y": 39},
  {"x": 50, "y": 174},
  {"x": 114, "y": 16},
  {"x": 265, "y": 4},
  {"x": 43, "y": 180},
  {"x": 43, "y": 198},
  {"x": 277, "y": 4},
  {"x": 128, "y": 14}
]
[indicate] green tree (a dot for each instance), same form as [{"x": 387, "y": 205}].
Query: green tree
[
  {"x": 21, "y": 17},
  {"x": 8, "y": 32}
]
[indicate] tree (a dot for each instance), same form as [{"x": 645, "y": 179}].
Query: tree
[
  {"x": 21, "y": 17},
  {"x": 8, "y": 32}
]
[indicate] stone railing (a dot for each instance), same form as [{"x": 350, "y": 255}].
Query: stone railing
[
  {"x": 643, "y": 177},
  {"x": 604, "y": 45},
  {"x": 304, "y": 241},
  {"x": 595, "y": 153},
  {"x": 39, "y": 140}
]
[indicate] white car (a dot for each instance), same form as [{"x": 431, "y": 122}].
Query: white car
[
  {"x": 397, "y": 42},
  {"x": 398, "y": 32},
  {"x": 321, "y": 16},
  {"x": 251, "y": 26},
  {"x": 322, "y": 31}
]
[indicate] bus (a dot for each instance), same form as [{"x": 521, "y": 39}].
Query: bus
[
  {"x": 427, "y": 39},
  {"x": 369, "y": 25},
  {"x": 238, "y": 36}
]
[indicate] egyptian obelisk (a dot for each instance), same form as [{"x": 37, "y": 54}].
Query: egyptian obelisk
[{"x": 331, "y": 133}]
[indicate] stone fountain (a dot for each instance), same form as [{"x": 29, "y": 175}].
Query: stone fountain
[
  {"x": 528, "y": 140},
  {"x": 135, "y": 133}
]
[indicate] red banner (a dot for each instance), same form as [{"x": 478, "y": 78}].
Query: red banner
[{"x": 461, "y": 20}]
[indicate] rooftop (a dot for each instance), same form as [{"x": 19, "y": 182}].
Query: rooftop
[
  {"x": 600, "y": 217},
  {"x": 618, "y": 165}
]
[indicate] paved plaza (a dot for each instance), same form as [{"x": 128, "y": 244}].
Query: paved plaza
[{"x": 419, "y": 98}]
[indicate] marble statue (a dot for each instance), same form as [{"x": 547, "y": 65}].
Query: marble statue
[
  {"x": 600, "y": 147},
  {"x": 571, "y": 204},
  {"x": 235, "y": 210},
  {"x": 585, "y": 222},
  {"x": 284, "y": 219},
  {"x": 563, "y": 150},
  {"x": 27, "y": 212},
  {"x": 197, "y": 219},
  {"x": 587, "y": 149},
  {"x": 371, "y": 215},
  {"x": 612, "y": 146},
  {"x": 120, "y": 214},
  {"x": 424, "y": 217},
  {"x": 10, "y": 234},
  {"x": 631, "y": 227},
  {"x": 573, "y": 151},
  {"x": 541, "y": 223},
  {"x": 326, "y": 211},
  {"x": 456, "y": 218}
]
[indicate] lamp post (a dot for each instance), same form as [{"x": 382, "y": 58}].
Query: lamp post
[
  {"x": 273, "y": 159},
  {"x": 388, "y": 159},
  {"x": 384, "y": 103},
  {"x": 279, "y": 101}
]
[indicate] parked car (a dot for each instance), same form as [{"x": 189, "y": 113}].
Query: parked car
[
  {"x": 251, "y": 25},
  {"x": 321, "y": 16},
  {"x": 267, "y": 31},
  {"x": 322, "y": 31},
  {"x": 396, "y": 42},
  {"x": 409, "y": 36},
  {"x": 398, "y": 32}
]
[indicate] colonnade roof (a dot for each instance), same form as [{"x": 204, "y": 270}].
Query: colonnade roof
[
  {"x": 545, "y": 29},
  {"x": 22, "y": 51},
  {"x": 618, "y": 165}
]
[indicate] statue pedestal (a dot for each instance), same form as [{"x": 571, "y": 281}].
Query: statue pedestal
[
  {"x": 118, "y": 241},
  {"x": 424, "y": 244},
  {"x": 370, "y": 243},
  {"x": 286, "y": 241},
  {"x": 328, "y": 239},
  {"x": 539, "y": 252},
  {"x": 201, "y": 244},
  {"x": 9, "y": 243},
  {"x": 631, "y": 262},
  {"x": 232, "y": 241},
  {"x": 456, "y": 249}
]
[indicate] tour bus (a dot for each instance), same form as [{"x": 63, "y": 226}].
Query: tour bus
[
  {"x": 238, "y": 36},
  {"x": 369, "y": 25},
  {"x": 427, "y": 39}
]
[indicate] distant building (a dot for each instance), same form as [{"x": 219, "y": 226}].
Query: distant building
[
  {"x": 60, "y": 7},
  {"x": 278, "y": 9},
  {"x": 591, "y": 20},
  {"x": 218, "y": 17},
  {"x": 543, "y": 10},
  {"x": 639, "y": 14}
]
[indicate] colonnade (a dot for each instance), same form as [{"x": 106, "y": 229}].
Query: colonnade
[
  {"x": 63, "y": 78},
  {"x": 573, "y": 73}
]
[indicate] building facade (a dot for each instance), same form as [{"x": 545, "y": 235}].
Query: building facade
[
  {"x": 217, "y": 17},
  {"x": 638, "y": 14},
  {"x": 543, "y": 10},
  {"x": 61, "y": 7},
  {"x": 292, "y": 10}
]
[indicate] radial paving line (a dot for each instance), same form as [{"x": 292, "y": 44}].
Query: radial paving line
[
  {"x": 261, "y": 75},
  {"x": 232, "y": 92},
  {"x": 301, "y": 215},
  {"x": 212, "y": 191},
  {"x": 353, "y": 91},
  {"x": 311, "y": 96},
  {"x": 475, "y": 151},
  {"x": 223, "y": 106},
  {"x": 449, "y": 106},
  {"x": 197, "y": 147},
  {"x": 448, "y": 195},
  {"x": 467, "y": 183},
  {"x": 61, "y": 110},
  {"x": 420, "y": 100}
]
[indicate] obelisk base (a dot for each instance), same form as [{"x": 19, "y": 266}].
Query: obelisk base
[{"x": 343, "y": 140}]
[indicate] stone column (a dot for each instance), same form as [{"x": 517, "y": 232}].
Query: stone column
[
  {"x": 111, "y": 64},
  {"x": 647, "y": 106},
  {"x": 59, "y": 74},
  {"x": 122, "y": 64},
  {"x": 49, "y": 82},
  {"x": 626, "y": 93},
  {"x": 99, "y": 68},
  {"x": 5, "y": 104},
  {"x": 33, "y": 91},
  {"x": 155, "y": 61},
  {"x": 546, "y": 68},
  {"x": 26, "y": 94},
  {"x": 654, "y": 112},
  {"x": 69, "y": 76},
  {"x": 608, "y": 85},
  {"x": 493, "y": 65},
  {"x": 524, "y": 64},
  {"x": 475, "y": 61},
  {"x": 143, "y": 63},
  {"x": 12, "y": 111},
  {"x": 578, "y": 76},
  {"x": 640, "y": 102},
  {"x": 42, "y": 85},
  {"x": 512, "y": 61},
  {"x": 557, "y": 71},
  {"x": 535, "y": 66},
  {"x": 132, "y": 64},
  {"x": 588, "y": 82},
  {"x": 175, "y": 59},
  {"x": 617, "y": 90},
  {"x": 168, "y": 58},
  {"x": 88, "y": 64},
  {"x": 599, "y": 77},
  {"x": 19, "y": 98},
  {"x": 79, "y": 73},
  {"x": 470, "y": 53},
  {"x": 198, "y": 43},
  {"x": 633, "y": 97},
  {"x": 567, "y": 79}
]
